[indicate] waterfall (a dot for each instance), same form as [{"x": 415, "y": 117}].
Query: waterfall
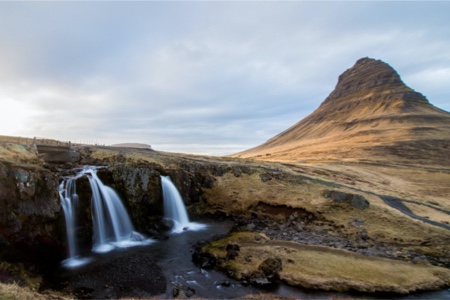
[
  {"x": 69, "y": 203},
  {"x": 174, "y": 208},
  {"x": 112, "y": 227}
]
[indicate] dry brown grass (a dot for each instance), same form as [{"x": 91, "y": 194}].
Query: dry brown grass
[
  {"x": 318, "y": 267},
  {"x": 382, "y": 222},
  {"x": 18, "y": 153},
  {"x": 16, "y": 292}
]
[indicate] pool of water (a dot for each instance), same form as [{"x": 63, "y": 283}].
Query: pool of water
[{"x": 174, "y": 257}]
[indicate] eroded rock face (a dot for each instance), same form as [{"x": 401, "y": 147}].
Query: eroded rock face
[
  {"x": 370, "y": 75},
  {"x": 140, "y": 190},
  {"x": 139, "y": 187},
  {"x": 31, "y": 220}
]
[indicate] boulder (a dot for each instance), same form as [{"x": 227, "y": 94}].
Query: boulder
[{"x": 355, "y": 200}]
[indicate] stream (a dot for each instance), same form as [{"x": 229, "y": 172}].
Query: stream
[{"x": 164, "y": 266}]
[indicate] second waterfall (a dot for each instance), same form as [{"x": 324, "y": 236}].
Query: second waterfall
[{"x": 174, "y": 208}]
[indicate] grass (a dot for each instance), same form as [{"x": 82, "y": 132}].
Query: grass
[
  {"x": 319, "y": 267},
  {"x": 18, "y": 153},
  {"x": 14, "y": 291},
  {"x": 242, "y": 194}
]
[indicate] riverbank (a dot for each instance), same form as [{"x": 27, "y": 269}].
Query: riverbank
[
  {"x": 166, "y": 269},
  {"x": 255, "y": 259},
  {"x": 329, "y": 206}
]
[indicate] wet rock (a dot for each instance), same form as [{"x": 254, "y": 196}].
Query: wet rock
[
  {"x": 259, "y": 280},
  {"x": 83, "y": 292},
  {"x": 136, "y": 236},
  {"x": 251, "y": 226},
  {"x": 226, "y": 283},
  {"x": 203, "y": 259},
  {"x": 182, "y": 292},
  {"x": 166, "y": 224}
]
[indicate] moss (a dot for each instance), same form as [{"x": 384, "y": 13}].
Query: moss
[
  {"x": 17, "y": 273},
  {"x": 319, "y": 267}
]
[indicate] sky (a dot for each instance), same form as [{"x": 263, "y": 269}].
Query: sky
[{"x": 204, "y": 77}]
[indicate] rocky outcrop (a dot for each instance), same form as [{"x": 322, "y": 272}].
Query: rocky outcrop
[
  {"x": 270, "y": 199},
  {"x": 31, "y": 223},
  {"x": 357, "y": 201}
]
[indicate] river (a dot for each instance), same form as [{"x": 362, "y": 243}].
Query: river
[{"x": 157, "y": 269}]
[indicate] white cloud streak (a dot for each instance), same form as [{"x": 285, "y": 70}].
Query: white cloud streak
[{"x": 203, "y": 77}]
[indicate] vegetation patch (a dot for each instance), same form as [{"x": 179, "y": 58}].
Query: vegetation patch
[
  {"x": 18, "y": 153},
  {"x": 16, "y": 292},
  {"x": 319, "y": 267}
]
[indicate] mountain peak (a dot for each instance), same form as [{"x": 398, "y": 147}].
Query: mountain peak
[
  {"x": 370, "y": 113},
  {"x": 370, "y": 76}
]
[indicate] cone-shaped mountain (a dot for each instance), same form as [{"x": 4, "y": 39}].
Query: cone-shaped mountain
[{"x": 371, "y": 115}]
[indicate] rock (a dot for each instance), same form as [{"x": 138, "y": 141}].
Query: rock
[
  {"x": 337, "y": 196},
  {"x": 226, "y": 283},
  {"x": 363, "y": 235},
  {"x": 136, "y": 236},
  {"x": 259, "y": 280},
  {"x": 234, "y": 247},
  {"x": 182, "y": 292},
  {"x": 203, "y": 259},
  {"x": 251, "y": 227},
  {"x": 232, "y": 251},
  {"x": 31, "y": 217},
  {"x": 355, "y": 200},
  {"x": 189, "y": 292},
  {"x": 358, "y": 223},
  {"x": 293, "y": 217},
  {"x": 359, "y": 202},
  {"x": 420, "y": 260},
  {"x": 270, "y": 268},
  {"x": 166, "y": 224},
  {"x": 265, "y": 177}
]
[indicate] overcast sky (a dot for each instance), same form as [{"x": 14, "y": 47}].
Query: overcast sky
[{"x": 201, "y": 77}]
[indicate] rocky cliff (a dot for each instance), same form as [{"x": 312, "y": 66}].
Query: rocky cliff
[
  {"x": 32, "y": 224},
  {"x": 370, "y": 115},
  {"x": 32, "y": 228},
  {"x": 280, "y": 201}
]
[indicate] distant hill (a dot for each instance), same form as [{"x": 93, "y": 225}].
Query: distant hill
[
  {"x": 132, "y": 145},
  {"x": 371, "y": 115}
]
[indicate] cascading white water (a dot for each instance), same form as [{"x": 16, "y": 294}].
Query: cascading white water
[
  {"x": 69, "y": 203},
  {"x": 174, "y": 208},
  {"x": 111, "y": 224}
]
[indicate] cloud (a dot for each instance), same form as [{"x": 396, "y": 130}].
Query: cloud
[{"x": 205, "y": 77}]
